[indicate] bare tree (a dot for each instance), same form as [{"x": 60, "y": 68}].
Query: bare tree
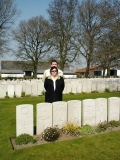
[
  {"x": 62, "y": 18},
  {"x": 89, "y": 30},
  {"x": 108, "y": 45},
  {"x": 33, "y": 40},
  {"x": 96, "y": 20},
  {"x": 8, "y": 13}
]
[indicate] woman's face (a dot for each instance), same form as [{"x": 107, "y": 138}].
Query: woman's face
[{"x": 54, "y": 72}]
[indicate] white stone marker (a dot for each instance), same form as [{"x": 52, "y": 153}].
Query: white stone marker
[
  {"x": 74, "y": 112},
  {"x": 3, "y": 90},
  {"x": 87, "y": 84},
  {"x": 44, "y": 117},
  {"x": 40, "y": 89},
  {"x": 74, "y": 88},
  {"x": 113, "y": 108},
  {"x": 101, "y": 110},
  {"x": 65, "y": 90},
  {"x": 68, "y": 88},
  {"x": 34, "y": 91},
  {"x": 88, "y": 112},
  {"x": 24, "y": 119},
  {"x": 79, "y": 88},
  {"x": 100, "y": 86},
  {"x": 59, "y": 113},
  {"x": 18, "y": 90},
  {"x": 10, "y": 90},
  {"x": 28, "y": 89},
  {"x": 93, "y": 86}
]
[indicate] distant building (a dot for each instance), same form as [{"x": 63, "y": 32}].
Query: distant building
[
  {"x": 25, "y": 69},
  {"x": 96, "y": 71}
]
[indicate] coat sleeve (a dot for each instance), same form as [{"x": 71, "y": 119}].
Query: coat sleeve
[
  {"x": 63, "y": 83},
  {"x": 45, "y": 84}
]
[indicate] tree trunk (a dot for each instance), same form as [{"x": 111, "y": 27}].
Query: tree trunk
[
  {"x": 35, "y": 72},
  {"x": 103, "y": 72},
  {"x": 87, "y": 69},
  {"x": 61, "y": 64},
  {"x": 108, "y": 70}
]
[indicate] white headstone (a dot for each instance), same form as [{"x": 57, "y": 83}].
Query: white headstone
[
  {"x": 93, "y": 86},
  {"x": 40, "y": 89},
  {"x": 10, "y": 90},
  {"x": 24, "y": 119},
  {"x": 118, "y": 88},
  {"x": 111, "y": 85},
  {"x": 74, "y": 88},
  {"x": 101, "y": 86},
  {"x": 34, "y": 91},
  {"x": 28, "y": 89},
  {"x": 68, "y": 88},
  {"x": 79, "y": 88},
  {"x": 113, "y": 108},
  {"x": 44, "y": 117},
  {"x": 87, "y": 85},
  {"x": 3, "y": 90},
  {"x": 65, "y": 90},
  {"x": 74, "y": 112},
  {"x": 101, "y": 110},
  {"x": 18, "y": 90},
  {"x": 23, "y": 86},
  {"x": 59, "y": 113},
  {"x": 107, "y": 83},
  {"x": 88, "y": 112}
]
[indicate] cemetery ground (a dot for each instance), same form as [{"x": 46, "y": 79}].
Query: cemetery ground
[{"x": 100, "y": 146}]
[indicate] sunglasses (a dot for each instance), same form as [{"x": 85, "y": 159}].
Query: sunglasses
[{"x": 53, "y": 71}]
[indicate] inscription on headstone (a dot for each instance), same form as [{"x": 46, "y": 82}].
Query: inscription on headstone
[
  {"x": 24, "y": 119},
  {"x": 113, "y": 108},
  {"x": 44, "y": 116},
  {"x": 88, "y": 112},
  {"x": 59, "y": 113},
  {"x": 11, "y": 91},
  {"x": 101, "y": 110},
  {"x": 74, "y": 111}
]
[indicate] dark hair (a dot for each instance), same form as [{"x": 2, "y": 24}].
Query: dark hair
[
  {"x": 53, "y": 68},
  {"x": 54, "y": 61}
]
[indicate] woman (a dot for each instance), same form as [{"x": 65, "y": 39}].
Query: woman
[{"x": 54, "y": 86}]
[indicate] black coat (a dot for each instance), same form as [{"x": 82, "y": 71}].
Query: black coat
[{"x": 50, "y": 94}]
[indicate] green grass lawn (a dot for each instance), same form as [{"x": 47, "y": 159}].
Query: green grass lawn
[{"x": 99, "y": 147}]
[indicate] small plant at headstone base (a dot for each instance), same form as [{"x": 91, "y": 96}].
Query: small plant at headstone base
[
  {"x": 24, "y": 139},
  {"x": 51, "y": 133},
  {"x": 95, "y": 91},
  {"x": 86, "y": 130},
  {"x": 107, "y": 90},
  {"x": 23, "y": 94},
  {"x": 43, "y": 92},
  {"x": 102, "y": 126},
  {"x": 28, "y": 95},
  {"x": 71, "y": 129},
  {"x": 71, "y": 93},
  {"x": 15, "y": 95},
  {"x": 83, "y": 92},
  {"x": 113, "y": 123},
  {"x": 7, "y": 95}
]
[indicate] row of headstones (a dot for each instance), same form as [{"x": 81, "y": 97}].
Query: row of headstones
[
  {"x": 89, "y": 111},
  {"x": 18, "y": 89},
  {"x": 36, "y": 87}
]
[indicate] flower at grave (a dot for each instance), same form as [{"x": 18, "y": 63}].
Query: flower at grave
[{"x": 51, "y": 133}]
